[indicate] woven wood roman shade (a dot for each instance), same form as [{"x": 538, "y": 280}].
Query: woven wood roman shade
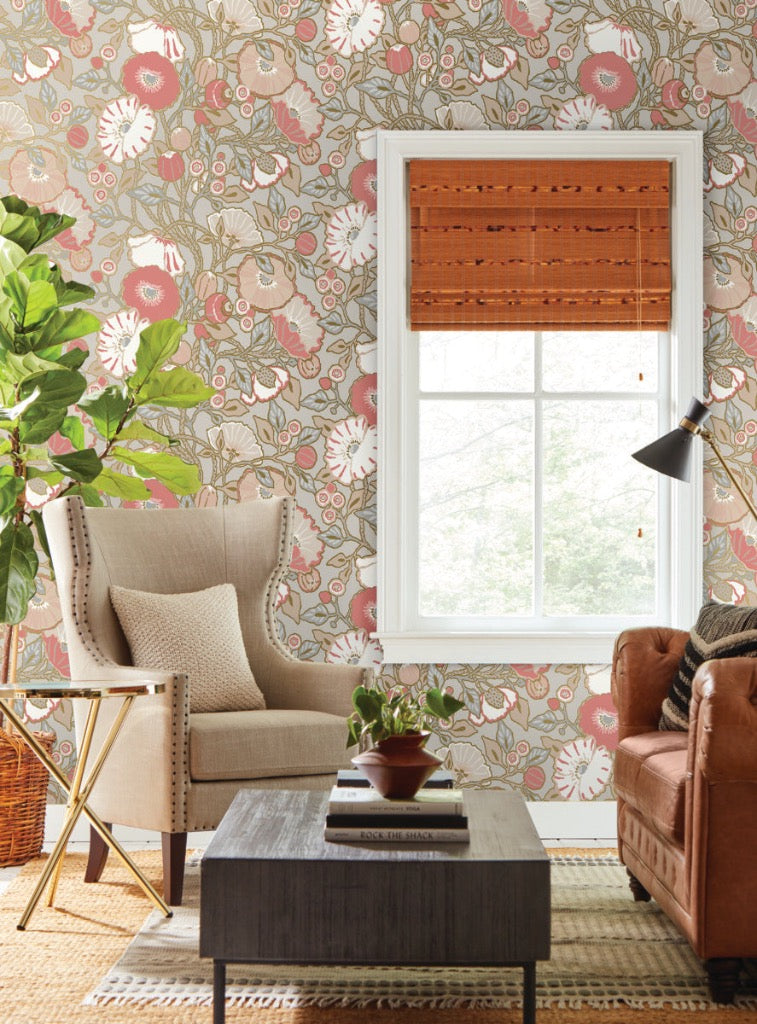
[{"x": 539, "y": 244}]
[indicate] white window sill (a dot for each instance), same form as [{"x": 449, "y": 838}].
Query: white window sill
[{"x": 497, "y": 649}]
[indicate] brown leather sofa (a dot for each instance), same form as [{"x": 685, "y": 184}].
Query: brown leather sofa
[{"x": 687, "y": 802}]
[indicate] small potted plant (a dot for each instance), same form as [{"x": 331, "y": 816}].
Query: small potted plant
[{"x": 398, "y": 724}]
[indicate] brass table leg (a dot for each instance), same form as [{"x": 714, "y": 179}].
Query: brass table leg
[{"x": 80, "y": 807}]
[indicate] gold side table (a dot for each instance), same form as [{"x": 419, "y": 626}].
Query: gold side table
[{"x": 79, "y": 788}]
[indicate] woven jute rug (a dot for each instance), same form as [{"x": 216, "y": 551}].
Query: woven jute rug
[{"x": 67, "y": 954}]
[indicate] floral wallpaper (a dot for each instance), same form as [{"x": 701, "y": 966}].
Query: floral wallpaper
[{"x": 219, "y": 156}]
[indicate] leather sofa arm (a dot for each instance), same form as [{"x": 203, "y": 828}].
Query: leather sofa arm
[
  {"x": 643, "y": 666},
  {"x": 723, "y": 720}
]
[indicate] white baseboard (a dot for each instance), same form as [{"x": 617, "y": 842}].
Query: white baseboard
[{"x": 565, "y": 822}]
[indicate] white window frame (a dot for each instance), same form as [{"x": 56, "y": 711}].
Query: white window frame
[{"x": 680, "y": 505}]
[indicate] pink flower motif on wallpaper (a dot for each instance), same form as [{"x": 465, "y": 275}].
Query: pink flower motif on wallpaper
[
  {"x": 725, "y": 286},
  {"x": 118, "y": 341},
  {"x": 363, "y": 609},
  {"x": 608, "y": 36},
  {"x": 495, "y": 62},
  {"x": 744, "y": 548},
  {"x": 609, "y": 79},
  {"x": 38, "y": 176},
  {"x": 598, "y": 717},
  {"x": 235, "y": 227},
  {"x": 744, "y": 321},
  {"x": 354, "y": 648},
  {"x": 72, "y": 18},
  {"x": 467, "y": 764},
  {"x": 14, "y": 124},
  {"x": 583, "y": 114},
  {"x": 160, "y": 497},
  {"x": 364, "y": 185},
  {"x": 307, "y": 549},
  {"x": 267, "y": 169},
  {"x": 722, "y": 502},
  {"x": 44, "y": 608},
  {"x": 264, "y": 283},
  {"x": 694, "y": 17},
  {"x": 266, "y": 383},
  {"x": 724, "y": 169},
  {"x": 152, "y": 79},
  {"x": 264, "y": 75},
  {"x": 152, "y": 251},
  {"x": 743, "y": 110},
  {"x": 496, "y": 703},
  {"x": 353, "y": 25},
  {"x": 152, "y": 37},
  {"x": 719, "y": 75},
  {"x": 461, "y": 114},
  {"x": 582, "y": 769},
  {"x": 237, "y": 17},
  {"x": 364, "y": 397},
  {"x": 56, "y": 651},
  {"x": 38, "y": 63},
  {"x": 296, "y": 327},
  {"x": 71, "y": 203},
  {"x": 351, "y": 236},
  {"x": 351, "y": 449},
  {"x": 152, "y": 292},
  {"x": 297, "y": 115},
  {"x": 527, "y": 17},
  {"x": 235, "y": 442},
  {"x": 125, "y": 129},
  {"x": 728, "y": 591},
  {"x": 725, "y": 381}
]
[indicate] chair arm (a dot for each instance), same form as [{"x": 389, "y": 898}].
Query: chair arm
[
  {"x": 311, "y": 686},
  {"x": 144, "y": 780},
  {"x": 644, "y": 663},
  {"x": 723, "y": 720}
]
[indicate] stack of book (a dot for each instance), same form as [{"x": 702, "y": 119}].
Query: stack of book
[{"x": 359, "y": 813}]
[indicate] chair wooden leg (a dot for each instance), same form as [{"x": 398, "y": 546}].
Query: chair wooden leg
[
  {"x": 174, "y": 855},
  {"x": 640, "y": 894},
  {"x": 98, "y": 855},
  {"x": 723, "y": 979}
]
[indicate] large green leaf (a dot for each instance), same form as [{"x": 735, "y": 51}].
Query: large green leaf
[
  {"x": 119, "y": 485},
  {"x": 88, "y": 494},
  {"x": 179, "y": 477},
  {"x": 72, "y": 359},
  {"x": 14, "y": 411},
  {"x": 12, "y": 255},
  {"x": 19, "y": 369},
  {"x": 178, "y": 388},
  {"x": 73, "y": 429},
  {"x": 63, "y": 326},
  {"x": 27, "y": 226},
  {"x": 47, "y": 420},
  {"x": 157, "y": 343},
  {"x": 59, "y": 388},
  {"x": 84, "y": 466},
  {"x": 106, "y": 409},
  {"x": 39, "y": 526},
  {"x": 10, "y": 488},
  {"x": 18, "y": 571}
]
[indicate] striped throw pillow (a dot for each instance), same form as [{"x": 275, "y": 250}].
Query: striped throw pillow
[{"x": 721, "y": 631}]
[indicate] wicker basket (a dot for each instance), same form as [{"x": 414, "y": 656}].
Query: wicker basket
[{"x": 23, "y": 798}]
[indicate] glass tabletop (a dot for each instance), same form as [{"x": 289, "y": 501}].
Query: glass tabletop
[{"x": 91, "y": 688}]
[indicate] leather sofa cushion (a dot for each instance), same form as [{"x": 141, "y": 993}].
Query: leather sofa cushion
[
  {"x": 650, "y": 775},
  {"x": 258, "y": 744}
]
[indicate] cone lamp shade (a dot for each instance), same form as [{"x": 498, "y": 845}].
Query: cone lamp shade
[{"x": 671, "y": 453}]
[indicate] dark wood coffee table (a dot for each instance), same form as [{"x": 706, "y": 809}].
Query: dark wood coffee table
[{"x": 274, "y": 891}]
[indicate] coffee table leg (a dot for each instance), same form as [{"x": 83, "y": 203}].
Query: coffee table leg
[
  {"x": 529, "y": 993},
  {"x": 219, "y": 992}
]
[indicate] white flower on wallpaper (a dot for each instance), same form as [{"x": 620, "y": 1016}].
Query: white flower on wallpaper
[
  {"x": 354, "y": 648},
  {"x": 14, "y": 124},
  {"x": 582, "y": 769},
  {"x": 724, "y": 169},
  {"x": 694, "y": 16},
  {"x": 297, "y": 114},
  {"x": 296, "y": 327},
  {"x": 353, "y": 25},
  {"x": 38, "y": 175},
  {"x": 607, "y": 35},
  {"x": 236, "y": 442},
  {"x": 351, "y": 449},
  {"x": 496, "y": 703},
  {"x": 351, "y": 236},
  {"x": 583, "y": 113},
  {"x": 71, "y": 17},
  {"x": 461, "y": 114},
  {"x": 237, "y": 17},
  {"x": 151, "y": 37},
  {"x": 467, "y": 763},
  {"x": 152, "y": 251},
  {"x": 495, "y": 62},
  {"x": 266, "y": 383},
  {"x": 118, "y": 341},
  {"x": 126, "y": 128},
  {"x": 38, "y": 62},
  {"x": 235, "y": 227},
  {"x": 267, "y": 169}
]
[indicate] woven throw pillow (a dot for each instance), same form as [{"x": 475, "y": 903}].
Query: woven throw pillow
[
  {"x": 197, "y": 633},
  {"x": 721, "y": 631}
]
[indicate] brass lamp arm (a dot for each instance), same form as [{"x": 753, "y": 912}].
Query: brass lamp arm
[{"x": 709, "y": 438}]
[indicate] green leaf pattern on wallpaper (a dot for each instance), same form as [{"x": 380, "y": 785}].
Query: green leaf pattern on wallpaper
[{"x": 219, "y": 159}]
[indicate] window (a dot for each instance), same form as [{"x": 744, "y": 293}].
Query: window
[{"x": 513, "y": 524}]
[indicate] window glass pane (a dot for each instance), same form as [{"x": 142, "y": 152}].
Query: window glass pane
[
  {"x": 476, "y": 360},
  {"x": 597, "y": 500},
  {"x": 599, "y": 361},
  {"x": 476, "y": 500}
]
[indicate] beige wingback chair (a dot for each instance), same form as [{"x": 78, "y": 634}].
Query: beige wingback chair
[{"x": 172, "y": 771}]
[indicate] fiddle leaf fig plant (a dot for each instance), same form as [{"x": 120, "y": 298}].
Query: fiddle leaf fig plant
[
  {"x": 51, "y": 430},
  {"x": 380, "y": 714}
]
